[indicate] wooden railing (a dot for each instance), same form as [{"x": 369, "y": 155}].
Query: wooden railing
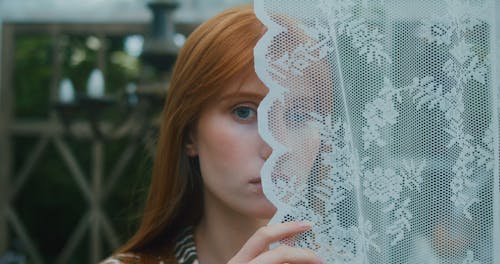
[{"x": 94, "y": 187}]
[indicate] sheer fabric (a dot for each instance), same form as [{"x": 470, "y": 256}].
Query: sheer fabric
[{"x": 383, "y": 119}]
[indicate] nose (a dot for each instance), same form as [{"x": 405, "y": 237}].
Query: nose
[{"x": 265, "y": 150}]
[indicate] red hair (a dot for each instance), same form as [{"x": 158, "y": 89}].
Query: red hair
[{"x": 216, "y": 52}]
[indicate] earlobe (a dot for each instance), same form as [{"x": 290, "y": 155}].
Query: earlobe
[
  {"x": 191, "y": 150},
  {"x": 190, "y": 146}
]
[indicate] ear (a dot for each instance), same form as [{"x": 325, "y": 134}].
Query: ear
[
  {"x": 191, "y": 150},
  {"x": 190, "y": 146}
]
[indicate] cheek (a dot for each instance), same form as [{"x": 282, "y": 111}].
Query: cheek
[
  {"x": 214, "y": 146},
  {"x": 302, "y": 142},
  {"x": 304, "y": 147},
  {"x": 223, "y": 147}
]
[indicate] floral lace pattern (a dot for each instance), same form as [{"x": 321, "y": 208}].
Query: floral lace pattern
[{"x": 383, "y": 119}]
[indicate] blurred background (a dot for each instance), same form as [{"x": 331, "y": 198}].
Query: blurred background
[{"x": 81, "y": 87}]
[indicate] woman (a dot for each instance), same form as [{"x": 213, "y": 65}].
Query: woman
[{"x": 205, "y": 202}]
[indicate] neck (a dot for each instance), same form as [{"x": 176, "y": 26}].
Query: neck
[{"x": 222, "y": 232}]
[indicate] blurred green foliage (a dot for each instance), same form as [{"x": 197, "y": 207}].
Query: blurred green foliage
[{"x": 32, "y": 73}]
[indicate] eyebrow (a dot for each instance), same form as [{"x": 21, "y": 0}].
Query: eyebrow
[{"x": 248, "y": 95}]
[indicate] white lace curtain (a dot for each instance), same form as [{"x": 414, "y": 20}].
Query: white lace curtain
[{"x": 383, "y": 119}]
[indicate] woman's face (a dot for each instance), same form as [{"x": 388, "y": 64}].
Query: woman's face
[{"x": 231, "y": 152}]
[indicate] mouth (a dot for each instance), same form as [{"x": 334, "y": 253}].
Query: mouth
[{"x": 255, "y": 180}]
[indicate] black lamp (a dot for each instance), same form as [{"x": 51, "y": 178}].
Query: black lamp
[{"x": 160, "y": 50}]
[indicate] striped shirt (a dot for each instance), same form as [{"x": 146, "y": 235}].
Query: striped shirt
[{"x": 185, "y": 251}]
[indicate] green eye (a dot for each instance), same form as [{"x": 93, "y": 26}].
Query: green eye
[{"x": 244, "y": 112}]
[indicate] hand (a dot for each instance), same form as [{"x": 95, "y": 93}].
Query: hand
[{"x": 255, "y": 250}]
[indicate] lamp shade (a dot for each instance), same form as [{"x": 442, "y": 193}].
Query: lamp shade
[{"x": 95, "y": 84}]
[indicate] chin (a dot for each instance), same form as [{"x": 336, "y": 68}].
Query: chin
[{"x": 264, "y": 211}]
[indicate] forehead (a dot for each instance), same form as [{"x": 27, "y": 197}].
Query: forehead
[{"x": 245, "y": 84}]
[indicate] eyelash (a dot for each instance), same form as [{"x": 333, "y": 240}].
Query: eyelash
[{"x": 253, "y": 113}]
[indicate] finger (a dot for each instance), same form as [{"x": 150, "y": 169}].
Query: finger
[
  {"x": 260, "y": 241},
  {"x": 287, "y": 254}
]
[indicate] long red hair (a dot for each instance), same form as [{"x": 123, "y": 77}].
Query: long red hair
[{"x": 216, "y": 52}]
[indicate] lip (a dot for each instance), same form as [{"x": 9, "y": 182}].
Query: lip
[{"x": 256, "y": 180}]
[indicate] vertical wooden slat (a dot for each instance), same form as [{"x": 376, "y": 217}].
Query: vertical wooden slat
[
  {"x": 3, "y": 151},
  {"x": 57, "y": 65},
  {"x": 97, "y": 172},
  {"x": 102, "y": 53},
  {"x": 1, "y": 57},
  {"x": 6, "y": 102}
]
